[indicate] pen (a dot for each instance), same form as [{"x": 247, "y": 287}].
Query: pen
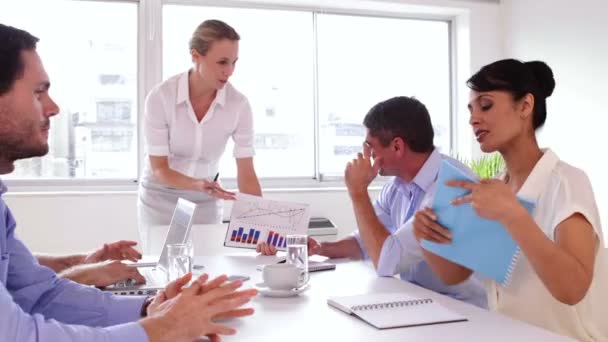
[{"x": 217, "y": 175}]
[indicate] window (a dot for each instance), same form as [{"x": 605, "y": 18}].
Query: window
[
  {"x": 92, "y": 62},
  {"x": 310, "y": 77},
  {"x": 377, "y": 58},
  {"x": 274, "y": 71},
  {"x": 114, "y": 111}
]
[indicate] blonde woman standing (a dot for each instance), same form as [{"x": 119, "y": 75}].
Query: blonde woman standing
[{"x": 188, "y": 120}]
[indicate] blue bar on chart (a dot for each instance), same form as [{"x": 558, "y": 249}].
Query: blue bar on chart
[
  {"x": 250, "y": 238},
  {"x": 269, "y": 240},
  {"x": 285, "y": 243},
  {"x": 239, "y": 234},
  {"x": 250, "y": 235},
  {"x": 281, "y": 242},
  {"x": 275, "y": 239}
]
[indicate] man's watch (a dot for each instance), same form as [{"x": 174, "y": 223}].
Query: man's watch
[{"x": 144, "y": 307}]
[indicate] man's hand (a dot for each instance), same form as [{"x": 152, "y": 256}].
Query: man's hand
[
  {"x": 59, "y": 263},
  {"x": 103, "y": 273},
  {"x": 266, "y": 249},
  {"x": 360, "y": 172},
  {"x": 120, "y": 250},
  {"x": 175, "y": 287},
  {"x": 314, "y": 247},
  {"x": 193, "y": 312},
  {"x": 171, "y": 291}
]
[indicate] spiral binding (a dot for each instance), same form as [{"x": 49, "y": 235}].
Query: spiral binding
[
  {"x": 511, "y": 267},
  {"x": 390, "y": 305}
]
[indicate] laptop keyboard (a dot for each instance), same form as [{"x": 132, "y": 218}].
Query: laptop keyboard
[
  {"x": 125, "y": 283},
  {"x": 154, "y": 278}
]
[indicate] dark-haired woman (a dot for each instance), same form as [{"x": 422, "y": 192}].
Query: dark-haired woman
[
  {"x": 188, "y": 120},
  {"x": 559, "y": 281}
]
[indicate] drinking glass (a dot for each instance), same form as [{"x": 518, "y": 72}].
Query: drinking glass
[
  {"x": 297, "y": 254},
  {"x": 180, "y": 260}
]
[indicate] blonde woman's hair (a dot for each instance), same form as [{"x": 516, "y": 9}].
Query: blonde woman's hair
[{"x": 210, "y": 31}]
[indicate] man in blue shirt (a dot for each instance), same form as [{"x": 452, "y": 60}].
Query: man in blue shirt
[
  {"x": 35, "y": 305},
  {"x": 400, "y": 142}
]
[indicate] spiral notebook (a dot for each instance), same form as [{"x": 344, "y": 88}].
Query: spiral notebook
[
  {"x": 479, "y": 244},
  {"x": 395, "y": 310}
]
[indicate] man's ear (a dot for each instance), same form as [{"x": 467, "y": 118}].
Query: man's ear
[{"x": 398, "y": 145}]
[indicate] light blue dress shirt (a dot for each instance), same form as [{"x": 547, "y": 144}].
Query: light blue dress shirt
[
  {"x": 36, "y": 305},
  {"x": 401, "y": 254}
]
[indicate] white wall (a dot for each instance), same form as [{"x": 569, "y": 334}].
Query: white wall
[
  {"x": 66, "y": 222},
  {"x": 572, "y": 37}
]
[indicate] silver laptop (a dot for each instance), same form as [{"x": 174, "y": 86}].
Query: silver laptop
[{"x": 156, "y": 272}]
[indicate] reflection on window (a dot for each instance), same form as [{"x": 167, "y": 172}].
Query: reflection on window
[
  {"x": 111, "y": 140},
  {"x": 114, "y": 111},
  {"x": 273, "y": 141},
  {"x": 93, "y": 70},
  {"x": 106, "y": 79}
]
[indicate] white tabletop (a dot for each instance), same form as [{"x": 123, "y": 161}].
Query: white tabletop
[{"x": 308, "y": 317}]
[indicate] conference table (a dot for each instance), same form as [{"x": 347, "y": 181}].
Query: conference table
[{"x": 308, "y": 317}]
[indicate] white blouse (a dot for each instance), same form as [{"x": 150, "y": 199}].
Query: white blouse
[
  {"x": 559, "y": 191},
  {"x": 194, "y": 148}
]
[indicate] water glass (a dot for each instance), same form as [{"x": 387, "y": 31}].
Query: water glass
[
  {"x": 297, "y": 254},
  {"x": 190, "y": 246},
  {"x": 180, "y": 260}
]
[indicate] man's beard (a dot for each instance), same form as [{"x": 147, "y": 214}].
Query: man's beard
[
  {"x": 13, "y": 150},
  {"x": 16, "y": 143}
]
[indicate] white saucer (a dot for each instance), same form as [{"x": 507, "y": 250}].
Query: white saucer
[{"x": 268, "y": 292}]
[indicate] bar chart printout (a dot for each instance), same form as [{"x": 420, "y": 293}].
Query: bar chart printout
[{"x": 254, "y": 220}]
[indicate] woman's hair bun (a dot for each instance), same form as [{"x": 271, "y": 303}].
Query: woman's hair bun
[{"x": 544, "y": 77}]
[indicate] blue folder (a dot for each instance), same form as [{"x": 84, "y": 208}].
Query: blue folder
[{"x": 479, "y": 244}]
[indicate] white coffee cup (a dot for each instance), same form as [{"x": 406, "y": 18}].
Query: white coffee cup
[{"x": 282, "y": 276}]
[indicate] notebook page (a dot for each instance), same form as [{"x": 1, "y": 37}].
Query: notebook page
[{"x": 391, "y": 310}]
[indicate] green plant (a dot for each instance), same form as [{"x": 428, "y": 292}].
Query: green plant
[{"x": 488, "y": 166}]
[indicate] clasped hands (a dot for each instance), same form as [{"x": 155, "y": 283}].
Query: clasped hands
[{"x": 187, "y": 312}]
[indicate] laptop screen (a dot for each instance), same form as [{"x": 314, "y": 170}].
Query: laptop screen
[{"x": 179, "y": 229}]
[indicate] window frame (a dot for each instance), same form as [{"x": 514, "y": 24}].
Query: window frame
[{"x": 149, "y": 74}]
